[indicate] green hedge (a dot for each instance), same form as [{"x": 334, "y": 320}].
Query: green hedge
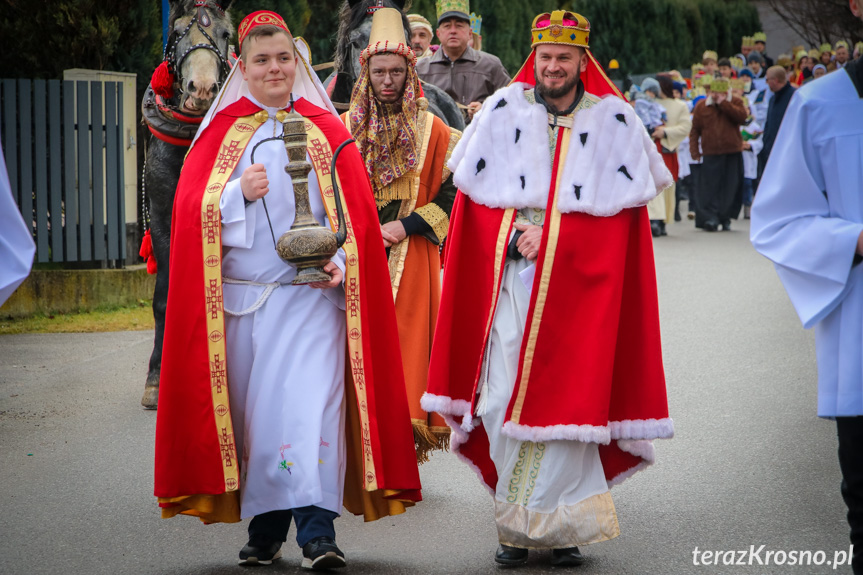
[{"x": 44, "y": 38}]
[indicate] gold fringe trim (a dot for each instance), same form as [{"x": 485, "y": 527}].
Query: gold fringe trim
[
  {"x": 429, "y": 438},
  {"x": 401, "y": 189},
  {"x": 436, "y": 218},
  {"x": 454, "y": 137}
]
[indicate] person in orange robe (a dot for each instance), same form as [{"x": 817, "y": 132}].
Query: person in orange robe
[
  {"x": 278, "y": 402},
  {"x": 405, "y": 149}
]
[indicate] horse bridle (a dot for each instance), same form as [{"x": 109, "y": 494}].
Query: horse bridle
[{"x": 202, "y": 20}]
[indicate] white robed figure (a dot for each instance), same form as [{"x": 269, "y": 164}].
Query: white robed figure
[{"x": 808, "y": 219}]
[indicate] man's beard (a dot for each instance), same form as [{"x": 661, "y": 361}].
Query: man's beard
[{"x": 554, "y": 93}]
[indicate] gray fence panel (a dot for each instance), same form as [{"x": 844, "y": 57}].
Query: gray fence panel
[
  {"x": 10, "y": 134},
  {"x": 114, "y": 187},
  {"x": 25, "y": 188},
  {"x": 70, "y": 197},
  {"x": 40, "y": 137},
  {"x": 85, "y": 206},
  {"x": 55, "y": 167},
  {"x": 97, "y": 137},
  {"x": 121, "y": 178}
]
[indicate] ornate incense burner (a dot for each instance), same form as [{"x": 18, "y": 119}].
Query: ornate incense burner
[{"x": 308, "y": 246}]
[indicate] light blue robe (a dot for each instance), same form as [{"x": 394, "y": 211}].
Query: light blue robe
[{"x": 807, "y": 217}]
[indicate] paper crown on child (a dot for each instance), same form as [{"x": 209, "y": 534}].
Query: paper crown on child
[
  {"x": 747, "y": 42},
  {"x": 719, "y": 85},
  {"x": 710, "y": 55},
  {"x": 475, "y": 23},
  {"x": 759, "y": 37}
]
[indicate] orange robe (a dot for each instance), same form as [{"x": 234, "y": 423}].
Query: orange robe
[{"x": 415, "y": 267}]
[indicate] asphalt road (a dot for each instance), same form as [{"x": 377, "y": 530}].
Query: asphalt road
[{"x": 750, "y": 465}]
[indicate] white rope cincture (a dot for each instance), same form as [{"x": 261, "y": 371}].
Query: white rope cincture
[{"x": 269, "y": 289}]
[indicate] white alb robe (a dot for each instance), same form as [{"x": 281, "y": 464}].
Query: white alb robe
[
  {"x": 16, "y": 241},
  {"x": 286, "y": 361},
  {"x": 543, "y": 497},
  {"x": 807, "y": 218}
]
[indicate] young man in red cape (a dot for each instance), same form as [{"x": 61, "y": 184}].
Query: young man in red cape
[
  {"x": 546, "y": 361},
  {"x": 317, "y": 415}
]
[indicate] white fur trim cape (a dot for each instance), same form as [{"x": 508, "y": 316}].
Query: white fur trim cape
[{"x": 504, "y": 159}]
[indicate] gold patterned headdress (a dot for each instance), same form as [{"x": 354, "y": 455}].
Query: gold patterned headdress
[
  {"x": 826, "y": 48},
  {"x": 453, "y": 9},
  {"x": 719, "y": 85},
  {"x": 747, "y": 42},
  {"x": 759, "y": 37},
  {"x": 561, "y": 27},
  {"x": 386, "y": 134},
  {"x": 710, "y": 55}
]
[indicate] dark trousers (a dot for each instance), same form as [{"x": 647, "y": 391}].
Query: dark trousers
[
  {"x": 311, "y": 522},
  {"x": 850, "y": 432},
  {"x": 720, "y": 189},
  {"x": 694, "y": 184}
]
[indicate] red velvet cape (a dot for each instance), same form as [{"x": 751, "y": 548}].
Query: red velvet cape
[
  {"x": 191, "y": 455},
  {"x": 594, "y": 366}
]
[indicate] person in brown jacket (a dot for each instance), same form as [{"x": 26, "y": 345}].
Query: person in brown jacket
[
  {"x": 467, "y": 75},
  {"x": 716, "y": 125}
]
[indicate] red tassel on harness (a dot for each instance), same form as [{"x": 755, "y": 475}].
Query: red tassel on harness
[
  {"x": 146, "y": 252},
  {"x": 163, "y": 81}
]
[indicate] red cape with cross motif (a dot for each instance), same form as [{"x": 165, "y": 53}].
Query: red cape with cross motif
[
  {"x": 196, "y": 462},
  {"x": 590, "y": 365}
]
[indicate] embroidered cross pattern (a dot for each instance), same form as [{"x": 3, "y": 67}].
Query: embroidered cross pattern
[
  {"x": 214, "y": 299},
  {"x": 218, "y": 377},
  {"x": 212, "y": 223},
  {"x": 357, "y": 370},
  {"x": 226, "y": 442},
  {"x": 321, "y": 156},
  {"x": 353, "y": 297},
  {"x": 229, "y": 156}
]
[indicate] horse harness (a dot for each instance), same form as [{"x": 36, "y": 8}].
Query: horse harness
[{"x": 163, "y": 117}]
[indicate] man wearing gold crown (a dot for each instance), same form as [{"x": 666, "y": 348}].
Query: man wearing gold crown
[
  {"x": 405, "y": 148},
  {"x": 546, "y": 361},
  {"x": 467, "y": 75},
  {"x": 277, "y": 403}
]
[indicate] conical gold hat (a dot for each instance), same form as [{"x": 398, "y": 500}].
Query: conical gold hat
[{"x": 388, "y": 35}]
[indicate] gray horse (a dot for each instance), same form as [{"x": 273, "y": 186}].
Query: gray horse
[
  {"x": 197, "y": 55},
  {"x": 355, "y": 26}
]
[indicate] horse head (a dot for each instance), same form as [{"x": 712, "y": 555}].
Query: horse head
[
  {"x": 197, "y": 51},
  {"x": 355, "y": 27}
]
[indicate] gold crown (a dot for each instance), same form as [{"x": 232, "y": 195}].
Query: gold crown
[
  {"x": 556, "y": 31},
  {"x": 387, "y": 35},
  {"x": 459, "y": 8},
  {"x": 841, "y": 44},
  {"x": 719, "y": 85},
  {"x": 736, "y": 63},
  {"x": 800, "y": 54},
  {"x": 697, "y": 69},
  {"x": 826, "y": 47},
  {"x": 475, "y": 23},
  {"x": 747, "y": 42},
  {"x": 710, "y": 55},
  {"x": 705, "y": 81},
  {"x": 814, "y": 53},
  {"x": 738, "y": 84},
  {"x": 760, "y": 37}
]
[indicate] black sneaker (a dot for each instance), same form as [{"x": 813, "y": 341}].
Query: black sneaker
[
  {"x": 511, "y": 556},
  {"x": 260, "y": 552},
  {"x": 569, "y": 557},
  {"x": 322, "y": 553}
]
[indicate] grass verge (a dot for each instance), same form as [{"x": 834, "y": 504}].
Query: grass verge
[{"x": 133, "y": 318}]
